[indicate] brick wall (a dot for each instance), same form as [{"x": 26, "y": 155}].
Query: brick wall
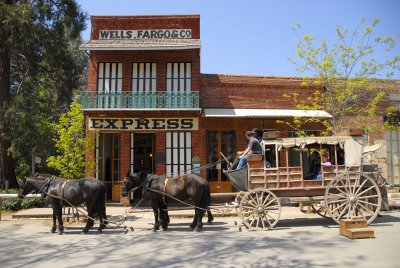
[{"x": 240, "y": 91}]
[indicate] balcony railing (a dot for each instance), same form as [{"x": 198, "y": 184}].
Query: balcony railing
[{"x": 140, "y": 100}]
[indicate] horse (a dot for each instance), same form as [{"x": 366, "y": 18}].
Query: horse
[
  {"x": 60, "y": 192},
  {"x": 158, "y": 189}
]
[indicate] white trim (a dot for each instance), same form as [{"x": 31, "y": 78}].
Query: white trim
[{"x": 264, "y": 113}]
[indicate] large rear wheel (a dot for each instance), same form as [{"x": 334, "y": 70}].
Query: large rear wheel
[{"x": 353, "y": 194}]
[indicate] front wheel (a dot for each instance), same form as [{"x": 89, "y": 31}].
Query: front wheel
[
  {"x": 353, "y": 194},
  {"x": 259, "y": 209}
]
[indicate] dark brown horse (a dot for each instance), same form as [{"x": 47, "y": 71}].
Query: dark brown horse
[
  {"x": 60, "y": 192},
  {"x": 158, "y": 189}
]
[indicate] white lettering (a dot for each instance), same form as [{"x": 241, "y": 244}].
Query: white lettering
[{"x": 146, "y": 34}]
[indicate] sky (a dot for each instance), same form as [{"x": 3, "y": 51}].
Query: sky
[{"x": 256, "y": 37}]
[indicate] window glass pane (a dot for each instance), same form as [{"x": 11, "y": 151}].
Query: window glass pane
[
  {"x": 182, "y": 139},
  {"x": 169, "y": 171},
  {"x": 188, "y": 139},
  {"x": 188, "y": 70},
  {"x": 154, "y": 70},
  {"x": 175, "y": 139},
  {"x": 100, "y": 85},
  {"x": 188, "y": 85},
  {"x": 168, "y": 159},
  {"x": 106, "y": 85},
  {"x": 148, "y": 73},
  {"x": 168, "y": 138},
  {"x": 113, "y": 70},
  {"x": 107, "y": 70},
  {"x": 188, "y": 156},
  {"x": 101, "y": 70},
  {"x": 175, "y": 156},
  {"x": 135, "y": 70}
]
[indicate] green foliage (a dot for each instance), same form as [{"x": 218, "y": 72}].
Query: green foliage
[
  {"x": 14, "y": 205},
  {"x": 46, "y": 67},
  {"x": 71, "y": 143},
  {"x": 350, "y": 82}
]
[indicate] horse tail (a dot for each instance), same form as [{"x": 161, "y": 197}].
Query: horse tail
[
  {"x": 101, "y": 203},
  {"x": 206, "y": 201}
]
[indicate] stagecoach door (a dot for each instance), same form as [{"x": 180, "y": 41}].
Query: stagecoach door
[
  {"x": 219, "y": 141},
  {"x": 108, "y": 163}
]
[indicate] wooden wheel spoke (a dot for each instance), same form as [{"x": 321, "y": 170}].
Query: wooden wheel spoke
[
  {"x": 355, "y": 185},
  {"x": 339, "y": 207},
  {"x": 368, "y": 196},
  {"x": 360, "y": 187},
  {"x": 367, "y": 203},
  {"x": 366, "y": 209},
  {"x": 343, "y": 211},
  {"x": 271, "y": 208},
  {"x": 366, "y": 190},
  {"x": 343, "y": 192},
  {"x": 266, "y": 199},
  {"x": 254, "y": 201}
]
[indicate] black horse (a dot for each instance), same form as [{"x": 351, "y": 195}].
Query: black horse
[
  {"x": 61, "y": 192},
  {"x": 159, "y": 188}
]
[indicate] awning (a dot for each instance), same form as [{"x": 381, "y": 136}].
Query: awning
[
  {"x": 141, "y": 44},
  {"x": 267, "y": 113}
]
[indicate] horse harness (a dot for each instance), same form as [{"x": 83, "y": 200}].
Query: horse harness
[
  {"x": 165, "y": 190},
  {"x": 62, "y": 189}
]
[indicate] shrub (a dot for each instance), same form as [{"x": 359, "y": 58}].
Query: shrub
[{"x": 17, "y": 204}]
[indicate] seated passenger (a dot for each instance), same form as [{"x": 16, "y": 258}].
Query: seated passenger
[
  {"x": 325, "y": 163},
  {"x": 253, "y": 147}
]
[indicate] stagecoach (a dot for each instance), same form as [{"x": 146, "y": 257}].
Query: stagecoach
[{"x": 285, "y": 173}]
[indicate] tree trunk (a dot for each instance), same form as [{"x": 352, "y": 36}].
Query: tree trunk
[{"x": 6, "y": 164}]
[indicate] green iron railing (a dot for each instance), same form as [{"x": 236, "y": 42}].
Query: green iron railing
[{"x": 140, "y": 100}]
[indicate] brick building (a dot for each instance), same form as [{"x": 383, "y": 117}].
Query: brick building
[{"x": 153, "y": 110}]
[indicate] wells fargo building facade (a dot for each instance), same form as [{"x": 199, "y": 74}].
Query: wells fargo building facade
[{"x": 153, "y": 110}]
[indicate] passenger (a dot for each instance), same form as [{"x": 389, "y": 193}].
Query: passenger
[
  {"x": 253, "y": 147},
  {"x": 325, "y": 163},
  {"x": 315, "y": 166}
]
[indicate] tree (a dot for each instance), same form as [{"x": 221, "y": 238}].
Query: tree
[
  {"x": 71, "y": 144},
  {"x": 40, "y": 66},
  {"x": 349, "y": 79}
]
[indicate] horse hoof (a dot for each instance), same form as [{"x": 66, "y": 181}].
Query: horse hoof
[
  {"x": 197, "y": 229},
  {"x": 85, "y": 231},
  {"x": 52, "y": 231},
  {"x": 131, "y": 229},
  {"x": 209, "y": 222}
]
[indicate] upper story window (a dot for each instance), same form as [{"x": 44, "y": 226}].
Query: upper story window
[
  {"x": 109, "y": 77},
  {"x": 179, "y": 77},
  {"x": 144, "y": 77}
]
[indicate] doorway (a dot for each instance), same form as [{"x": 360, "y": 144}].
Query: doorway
[
  {"x": 108, "y": 163},
  {"x": 143, "y": 156}
]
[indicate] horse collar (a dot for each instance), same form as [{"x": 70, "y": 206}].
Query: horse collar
[
  {"x": 165, "y": 188},
  {"x": 62, "y": 188}
]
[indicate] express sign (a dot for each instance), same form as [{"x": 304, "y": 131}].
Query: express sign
[
  {"x": 146, "y": 34},
  {"x": 143, "y": 124}
]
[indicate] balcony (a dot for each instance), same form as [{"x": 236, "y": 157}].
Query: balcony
[{"x": 140, "y": 100}]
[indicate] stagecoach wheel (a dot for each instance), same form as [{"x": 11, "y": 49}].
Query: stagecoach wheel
[
  {"x": 353, "y": 194},
  {"x": 238, "y": 199},
  {"x": 260, "y": 209}
]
